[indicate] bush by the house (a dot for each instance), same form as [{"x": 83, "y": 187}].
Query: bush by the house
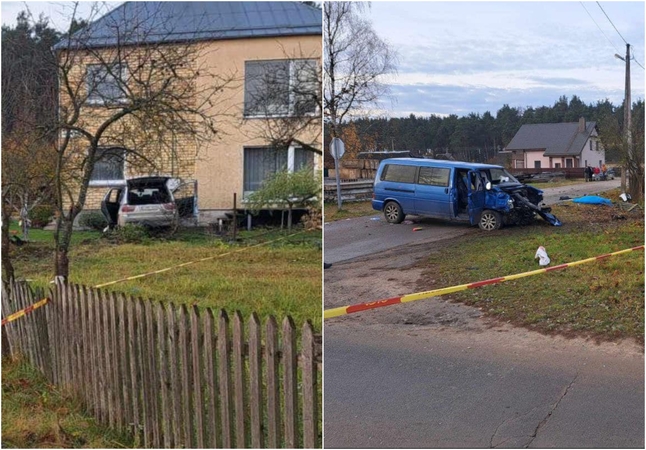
[
  {"x": 41, "y": 215},
  {"x": 94, "y": 220}
]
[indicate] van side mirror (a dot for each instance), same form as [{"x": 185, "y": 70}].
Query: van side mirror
[{"x": 488, "y": 185}]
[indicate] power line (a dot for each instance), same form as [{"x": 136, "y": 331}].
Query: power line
[
  {"x": 595, "y": 22},
  {"x": 613, "y": 25}
]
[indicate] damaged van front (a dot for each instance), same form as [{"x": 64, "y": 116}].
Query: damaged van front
[{"x": 505, "y": 201}]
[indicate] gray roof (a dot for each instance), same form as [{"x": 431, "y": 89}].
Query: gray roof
[
  {"x": 556, "y": 139},
  {"x": 152, "y": 22}
]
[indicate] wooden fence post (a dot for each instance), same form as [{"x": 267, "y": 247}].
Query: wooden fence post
[
  {"x": 273, "y": 394},
  {"x": 196, "y": 352},
  {"x": 255, "y": 381},
  {"x": 210, "y": 379},
  {"x": 239, "y": 374},
  {"x": 310, "y": 391},
  {"x": 290, "y": 366},
  {"x": 225, "y": 379}
]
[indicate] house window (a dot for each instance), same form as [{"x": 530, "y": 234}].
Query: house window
[
  {"x": 260, "y": 163},
  {"x": 590, "y": 144},
  {"x": 109, "y": 167},
  {"x": 557, "y": 165},
  {"x": 537, "y": 164},
  {"x": 105, "y": 83},
  {"x": 596, "y": 145},
  {"x": 568, "y": 162},
  {"x": 281, "y": 88}
]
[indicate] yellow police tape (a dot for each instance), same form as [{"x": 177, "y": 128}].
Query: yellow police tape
[
  {"x": 44, "y": 301},
  {"x": 194, "y": 262},
  {"x": 343, "y": 310}
]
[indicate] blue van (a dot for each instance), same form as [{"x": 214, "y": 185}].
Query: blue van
[{"x": 481, "y": 194}]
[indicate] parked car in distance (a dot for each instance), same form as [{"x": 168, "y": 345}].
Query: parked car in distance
[
  {"x": 482, "y": 194},
  {"x": 145, "y": 201},
  {"x": 610, "y": 175}
]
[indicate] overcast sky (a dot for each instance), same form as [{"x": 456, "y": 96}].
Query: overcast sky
[
  {"x": 58, "y": 12},
  {"x": 462, "y": 57}
]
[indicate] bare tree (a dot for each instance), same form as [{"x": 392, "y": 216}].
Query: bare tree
[
  {"x": 356, "y": 59},
  {"x": 129, "y": 89}
]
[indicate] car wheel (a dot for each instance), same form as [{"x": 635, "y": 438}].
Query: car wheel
[
  {"x": 393, "y": 213},
  {"x": 489, "y": 220}
]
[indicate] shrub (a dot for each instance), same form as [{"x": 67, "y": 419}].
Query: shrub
[
  {"x": 94, "y": 220},
  {"x": 129, "y": 234},
  {"x": 41, "y": 215}
]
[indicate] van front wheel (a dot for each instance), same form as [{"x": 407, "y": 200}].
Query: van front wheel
[
  {"x": 393, "y": 213},
  {"x": 489, "y": 220}
]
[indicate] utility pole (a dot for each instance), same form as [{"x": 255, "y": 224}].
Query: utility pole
[{"x": 628, "y": 139}]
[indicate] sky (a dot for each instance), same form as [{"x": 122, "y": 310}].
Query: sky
[
  {"x": 58, "y": 12},
  {"x": 463, "y": 57}
]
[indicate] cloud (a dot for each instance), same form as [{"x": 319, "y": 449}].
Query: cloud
[{"x": 477, "y": 56}]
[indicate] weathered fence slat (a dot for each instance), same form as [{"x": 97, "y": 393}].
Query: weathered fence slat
[
  {"x": 134, "y": 362},
  {"x": 165, "y": 423},
  {"x": 124, "y": 373},
  {"x": 196, "y": 352},
  {"x": 289, "y": 383},
  {"x": 310, "y": 392},
  {"x": 239, "y": 373},
  {"x": 166, "y": 374},
  {"x": 212, "y": 425},
  {"x": 144, "y": 370},
  {"x": 255, "y": 381},
  {"x": 273, "y": 395},
  {"x": 185, "y": 371},
  {"x": 153, "y": 376},
  {"x": 224, "y": 378},
  {"x": 176, "y": 405}
]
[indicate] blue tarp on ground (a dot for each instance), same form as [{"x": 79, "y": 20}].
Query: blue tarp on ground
[{"x": 592, "y": 200}]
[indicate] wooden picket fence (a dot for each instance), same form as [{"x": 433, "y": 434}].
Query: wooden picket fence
[{"x": 174, "y": 376}]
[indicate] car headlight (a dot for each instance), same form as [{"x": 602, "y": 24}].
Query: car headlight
[{"x": 510, "y": 203}]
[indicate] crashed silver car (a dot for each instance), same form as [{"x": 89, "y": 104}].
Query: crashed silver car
[{"x": 144, "y": 201}]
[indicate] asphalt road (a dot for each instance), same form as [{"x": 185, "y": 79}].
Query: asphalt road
[
  {"x": 352, "y": 238},
  {"x": 434, "y": 374},
  {"x": 439, "y": 388}
]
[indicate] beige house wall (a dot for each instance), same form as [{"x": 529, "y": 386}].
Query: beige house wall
[
  {"x": 217, "y": 165},
  {"x": 220, "y": 166}
]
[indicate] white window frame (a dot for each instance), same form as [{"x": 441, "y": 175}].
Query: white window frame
[
  {"x": 102, "y": 101},
  {"x": 111, "y": 183},
  {"x": 292, "y": 96},
  {"x": 291, "y": 159}
]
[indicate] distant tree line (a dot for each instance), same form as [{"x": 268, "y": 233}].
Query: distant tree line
[{"x": 479, "y": 137}]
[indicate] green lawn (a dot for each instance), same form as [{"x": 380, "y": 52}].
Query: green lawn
[
  {"x": 348, "y": 210},
  {"x": 604, "y": 299},
  {"x": 282, "y": 278},
  {"x": 35, "y": 414}
]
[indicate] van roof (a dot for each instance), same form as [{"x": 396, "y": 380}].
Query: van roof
[{"x": 439, "y": 163}]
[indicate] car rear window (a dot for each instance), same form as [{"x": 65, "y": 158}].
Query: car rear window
[
  {"x": 148, "y": 196},
  {"x": 399, "y": 173}
]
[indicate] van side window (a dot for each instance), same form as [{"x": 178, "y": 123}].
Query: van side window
[
  {"x": 434, "y": 176},
  {"x": 399, "y": 173}
]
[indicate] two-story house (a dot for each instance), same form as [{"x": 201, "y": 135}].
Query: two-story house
[
  {"x": 556, "y": 146},
  {"x": 268, "y": 52}
]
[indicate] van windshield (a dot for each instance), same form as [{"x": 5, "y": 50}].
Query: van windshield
[{"x": 498, "y": 176}]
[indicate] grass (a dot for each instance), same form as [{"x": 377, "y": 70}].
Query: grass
[
  {"x": 603, "y": 299},
  {"x": 282, "y": 278},
  {"x": 37, "y": 415},
  {"x": 348, "y": 210},
  {"x": 558, "y": 182}
]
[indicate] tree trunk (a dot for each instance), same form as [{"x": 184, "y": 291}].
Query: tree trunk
[
  {"x": 63, "y": 239},
  {"x": 289, "y": 218},
  {"x": 7, "y": 267}
]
